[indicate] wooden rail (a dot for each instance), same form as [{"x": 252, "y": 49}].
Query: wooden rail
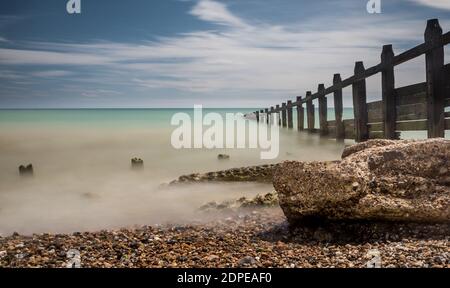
[{"x": 416, "y": 107}]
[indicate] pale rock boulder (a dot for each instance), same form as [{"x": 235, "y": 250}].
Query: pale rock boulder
[{"x": 384, "y": 180}]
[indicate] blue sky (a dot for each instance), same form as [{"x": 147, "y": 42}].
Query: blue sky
[{"x": 177, "y": 53}]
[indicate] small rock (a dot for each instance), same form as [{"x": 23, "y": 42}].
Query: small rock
[
  {"x": 247, "y": 261},
  {"x": 223, "y": 156}
]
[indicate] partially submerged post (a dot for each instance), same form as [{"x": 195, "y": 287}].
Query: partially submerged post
[
  {"x": 267, "y": 115},
  {"x": 360, "y": 104},
  {"x": 272, "y": 115},
  {"x": 309, "y": 111},
  {"x": 283, "y": 114},
  {"x": 137, "y": 163},
  {"x": 338, "y": 108},
  {"x": 289, "y": 115},
  {"x": 300, "y": 114},
  {"x": 323, "y": 110},
  {"x": 26, "y": 170},
  {"x": 278, "y": 112}
]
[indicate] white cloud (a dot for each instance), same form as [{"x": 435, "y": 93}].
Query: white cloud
[
  {"x": 216, "y": 12},
  {"x": 440, "y": 4}
]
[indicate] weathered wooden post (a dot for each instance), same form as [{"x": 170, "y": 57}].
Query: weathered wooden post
[
  {"x": 323, "y": 110},
  {"x": 388, "y": 92},
  {"x": 289, "y": 115},
  {"x": 257, "y": 116},
  {"x": 283, "y": 114},
  {"x": 338, "y": 108},
  {"x": 267, "y": 115},
  {"x": 360, "y": 104},
  {"x": 300, "y": 114},
  {"x": 271, "y": 121},
  {"x": 435, "y": 84},
  {"x": 309, "y": 111},
  {"x": 279, "y": 118}
]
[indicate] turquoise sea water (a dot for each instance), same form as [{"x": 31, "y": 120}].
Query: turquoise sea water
[{"x": 116, "y": 116}]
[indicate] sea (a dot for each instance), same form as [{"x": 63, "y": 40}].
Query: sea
[{"x": 83, "y": 179}]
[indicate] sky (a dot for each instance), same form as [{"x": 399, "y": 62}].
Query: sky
[{"x": 177, "y": 53}]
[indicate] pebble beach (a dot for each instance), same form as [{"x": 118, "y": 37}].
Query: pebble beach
[{"x": 258, "y": 237}]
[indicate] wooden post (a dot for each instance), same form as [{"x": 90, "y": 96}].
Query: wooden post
[
  {"x": 267, "y": 115},
  {"x": 435, "y": 84},
  {"x": 323, "y": 110},
  {"x": 388, "y": 92},
  {"x": 300, "y": 115},
  {"x": 283, "y": 114},
  {"x": 257, "y": 116},
  {"x": 338, "y": 109},
  {"x": 309, "y": 111},
  {"x": 278, "y": 112},
  {"x": 360, "y": 105},
  {"x": 271, "y": 121},
  {"x": 289, "y": 115}
]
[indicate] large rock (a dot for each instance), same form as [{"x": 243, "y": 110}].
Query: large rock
[{"x": 376, "y": 180}]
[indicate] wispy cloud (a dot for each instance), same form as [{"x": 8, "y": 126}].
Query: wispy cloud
[
  {"x": 440, "y": 4},
  {"x": 52, "y": 73},
  {"x": 240, "y": 57}
]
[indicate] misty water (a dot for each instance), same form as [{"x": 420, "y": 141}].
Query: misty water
[{"x": 82, "y": 176}]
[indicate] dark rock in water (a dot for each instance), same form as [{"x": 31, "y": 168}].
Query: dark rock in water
[
  {"x": 261, "y": 173},
  {"x": 137, "y": 163},
  {"x": 223, "y": 157},
  {"x": 383, "y": 180},
  {"x": 260, "y": 201},
  {"x": 26, "y": 170}
]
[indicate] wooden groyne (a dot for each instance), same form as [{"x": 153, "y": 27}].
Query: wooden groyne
[{"x": 412, "y": 108}]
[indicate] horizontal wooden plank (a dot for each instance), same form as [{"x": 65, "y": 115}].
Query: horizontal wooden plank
[
  {"x": 374, "y": 116},
  {"x": 419, "y": 109},
  {"x": 411, "y": 54},
  {"x": 376, "y": 134},
  {"x": 412, "y": 125},
  {"x": 411, "y": 94},
  {"x": 412, "y": 99},
  {"x": 331, "y": 123},
  {"x": 349, "y": 123},
  {"x": 409, "y": 117},
  {"x": 411, "y": 89},
  {"x": 377, "y": 105},
  {"x": 446, "y": 38},
  {"x": 403, "y": 113},
  {"x": 417, "y": 125},
  {"x": 375, "y": 126}
]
